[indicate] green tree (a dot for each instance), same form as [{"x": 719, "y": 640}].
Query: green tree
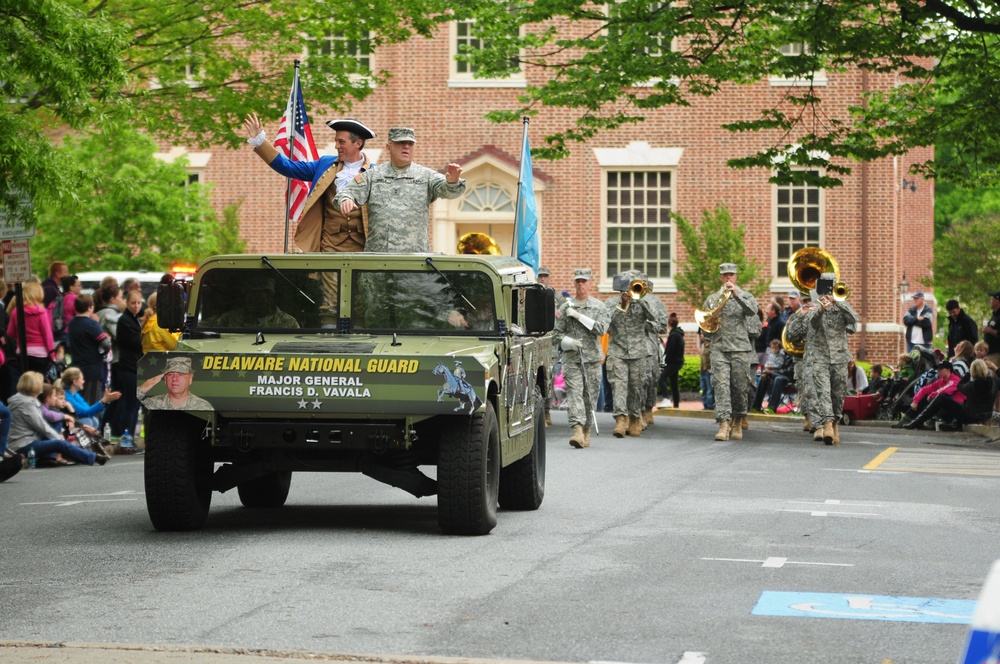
[
  {"x": 610, "y": 66},
  {"x": 714, "y": 241},
  {"x": 967, "y": 263},
  {"x": 135, "y": 211},
  {"x": 60, "y": 69}
]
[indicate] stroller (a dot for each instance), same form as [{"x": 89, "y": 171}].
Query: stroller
[{"x": 899, "y": 392}]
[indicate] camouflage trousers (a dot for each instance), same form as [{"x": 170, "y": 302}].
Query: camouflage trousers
[
  {"x": 654, "y": 378},
  {"x": 830, "y": 388},
  {"x": 730, "y": 378},
  {"x": 581, "y": 403},
  {"x": 803, "y": 383},
  {"x": 628, "y": 385}
]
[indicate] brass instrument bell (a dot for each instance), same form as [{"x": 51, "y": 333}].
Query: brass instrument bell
[
  {"x": 807, "y": 264},
  {"x": 478, "y": 243},
  {"x": 638, "y": 289},
  {"x": 709, "y": 321}
]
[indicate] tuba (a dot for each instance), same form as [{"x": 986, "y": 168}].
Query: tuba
[
  {"x": 806, "y": 265},
  {"x": 709, "y": 321},
  {"x": 795, "y": 349},
  {"x": 478, "y": 243},
  {"x": 637, "y": 289}
]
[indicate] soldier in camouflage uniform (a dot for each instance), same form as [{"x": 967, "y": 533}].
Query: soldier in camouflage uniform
[
  {"x": 398, "y": 194},
  {"x": 829, "y": 324},
  {"x": 257, "y": 308},
  {"x": 628, "y": 362},
  {"x": 796, "y": 332},
  {"x": 654, "y": 329},
  {"x": 732, "y": 353},
  {"x": 581, "y": 322},
  {"x": 177, "y": 376}
]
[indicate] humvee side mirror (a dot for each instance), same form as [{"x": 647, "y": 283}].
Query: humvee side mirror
[
  {"x": 539, "y": 310},
  {"x": 170, "y": 306}
]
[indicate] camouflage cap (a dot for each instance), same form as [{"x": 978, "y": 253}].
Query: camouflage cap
[
  {"x": 179, "y": 365},
  {"x": 400, "y": 134},
  {"x": 727, "y": 268},
  {"x": 543, "y": 271},
  {"x": 581, "y": 273}
]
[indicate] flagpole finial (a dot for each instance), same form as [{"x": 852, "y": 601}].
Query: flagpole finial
[
  {"x": 525, "y": 119},
  {"x": 297, "y": 63}
]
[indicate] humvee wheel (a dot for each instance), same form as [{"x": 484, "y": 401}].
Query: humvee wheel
[
  {"x": 522, "y": 483},
  {"x": 468, "y": 473},
  {"x": 271, "y": 490},
  {"x": 178, "y": 472}
]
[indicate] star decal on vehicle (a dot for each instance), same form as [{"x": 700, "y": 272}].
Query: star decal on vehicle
[
  {"x": 302, "y": 404},
  {"x": 316, "y": 404}
]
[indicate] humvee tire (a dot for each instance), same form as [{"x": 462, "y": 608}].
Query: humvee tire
[
  {"x": 522, "y": 483},
  {"x": 178, "y": 471},
  {"x": 271, "y": 490},
  {"x": 468, "y": 473}
]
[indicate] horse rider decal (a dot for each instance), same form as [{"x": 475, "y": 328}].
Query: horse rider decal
[{"x": 457, "y": 387}]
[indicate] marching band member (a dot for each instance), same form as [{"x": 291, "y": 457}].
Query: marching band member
[
  {"x": 829, "y": 324},
  {"x": 628, "y": 364},
  {"x": 732, "y": 353},
  {"x": 581, "y": 322}
]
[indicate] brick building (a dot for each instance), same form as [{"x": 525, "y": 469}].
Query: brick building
[{"x": 606, "y": 206}]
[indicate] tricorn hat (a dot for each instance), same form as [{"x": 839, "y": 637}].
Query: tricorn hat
[{"x": 352, "y": 126}]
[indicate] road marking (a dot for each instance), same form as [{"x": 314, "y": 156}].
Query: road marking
[
  {"x": 865, "y": 607},
  {"x": 877, "y": 461},
  {"x": 776, "y": 562},
  {"x": 97, "y": 495},
  {"x": 70, "y": 503},
  {"x": 693, "y": 658},
  {"x": 938, "y": 462},
  {"x": 819, "y": 513}
]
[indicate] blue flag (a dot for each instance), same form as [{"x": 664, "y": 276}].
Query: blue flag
[{"x": 526, "y": 219}]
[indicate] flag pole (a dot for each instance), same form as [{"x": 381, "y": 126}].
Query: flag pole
[
  {"x": 520, "y": 178},
  {"x": 290, "y": 142}
]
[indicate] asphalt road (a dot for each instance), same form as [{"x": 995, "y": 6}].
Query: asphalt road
[{"x": 667, "y": 548}]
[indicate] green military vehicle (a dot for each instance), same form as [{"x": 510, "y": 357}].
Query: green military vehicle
[{"x": 368, "y": 363}]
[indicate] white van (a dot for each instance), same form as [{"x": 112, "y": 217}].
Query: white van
[{"x": 91, "y": 281}]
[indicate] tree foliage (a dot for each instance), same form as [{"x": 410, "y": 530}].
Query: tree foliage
[
  {"x": 609, "y": 67},
  {"x": 134, "y": 211},
  {"x": 60, "y": 69},
  {"x": 714, "y": 241},
  {"x": 967, "y": 263}
]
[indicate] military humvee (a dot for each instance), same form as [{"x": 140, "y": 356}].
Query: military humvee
[{"x": 369, "y": 363}]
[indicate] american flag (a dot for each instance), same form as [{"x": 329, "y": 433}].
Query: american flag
[{"x": 296, "y": 122}]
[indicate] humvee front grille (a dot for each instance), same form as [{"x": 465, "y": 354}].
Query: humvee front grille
[{"x": 327, "y": 347}]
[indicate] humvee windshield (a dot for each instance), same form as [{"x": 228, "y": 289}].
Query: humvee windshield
[
  {"x": 381, "y": 302},
  {"x": 422, "y": 302}
]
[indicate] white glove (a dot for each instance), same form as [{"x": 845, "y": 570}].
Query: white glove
[
  {"x": 571, "y": 312},
  {"x": 569, "y": 343}
]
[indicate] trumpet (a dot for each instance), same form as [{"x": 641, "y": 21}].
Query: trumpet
[
  {"x": 710, "y": 320},
  {"x": 638, "y": 289}
]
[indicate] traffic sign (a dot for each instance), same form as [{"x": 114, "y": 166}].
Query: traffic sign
[{"x": 16, "y": 261}]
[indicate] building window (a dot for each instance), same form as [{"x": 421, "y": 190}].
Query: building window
[
  {"x": 487, "y": 198},
  {"x": 193, "y": 178},
  {"x": 463, "y": 74},
  {"x": 794, "y": 50},
  {"x": 339, "y": 47},
  {"x": 637, "y": 218},
  {"x": 798, "y": 215},
  {"x": 636, "y": 28}
]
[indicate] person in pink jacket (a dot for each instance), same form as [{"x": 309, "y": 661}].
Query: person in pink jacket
[
  {"x": 37, "y": 328},
  {"x": 946, "y": 384}
]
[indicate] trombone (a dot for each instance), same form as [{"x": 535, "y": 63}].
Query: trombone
[{"x": 638, "y": 289}]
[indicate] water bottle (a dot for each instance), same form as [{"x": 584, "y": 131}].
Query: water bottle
[
  {"x": 31, "y": 457},
  {"x": 126, "y": 440},
  {"x": 107, "y": 432}
]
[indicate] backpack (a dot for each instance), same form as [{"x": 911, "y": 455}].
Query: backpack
[{"x": 58, "y": 311}]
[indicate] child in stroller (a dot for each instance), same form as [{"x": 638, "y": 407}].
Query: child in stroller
[{"x": 916, "y": 369}]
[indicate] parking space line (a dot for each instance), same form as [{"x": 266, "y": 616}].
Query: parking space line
[{"x": 776, "y": 562}]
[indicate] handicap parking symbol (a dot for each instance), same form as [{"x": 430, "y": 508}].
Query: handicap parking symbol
[{"x": 865, "y": 607}]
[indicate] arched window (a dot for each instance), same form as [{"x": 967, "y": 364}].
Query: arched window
[{"x": 487, "y": 197}]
